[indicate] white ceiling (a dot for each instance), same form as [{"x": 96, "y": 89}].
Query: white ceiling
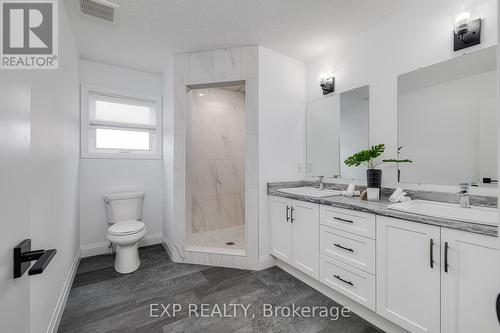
[{"x": 149, "y": 30}]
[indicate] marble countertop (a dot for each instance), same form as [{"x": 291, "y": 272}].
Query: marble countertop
[{"x": 380, "y": 208}]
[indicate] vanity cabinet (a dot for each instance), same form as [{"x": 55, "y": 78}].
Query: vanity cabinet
[
  {"x": 469, "y": 282},
  {"x": 281, "y": 229},
  {"x": 408, "y": 274},
  {"x": 347, "y": 259},
  {"x": 432, "y": 279},
  {"x": 421, "y": 277},
  {"x": 295, "y": 233}
]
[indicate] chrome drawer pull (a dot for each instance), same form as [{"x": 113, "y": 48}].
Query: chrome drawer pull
[
  {"x": 345, "y": 281},
  {"x": 343, "y": 247},
  {"x": 343, "y": 220}
]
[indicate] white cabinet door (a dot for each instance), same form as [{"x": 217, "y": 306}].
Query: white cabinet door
[
  {"x": 408, "y": 291},
  {"x": 281, "y": 228},
  {"x": 469, "y": 282},
  {"x": 305, "y": 237}
]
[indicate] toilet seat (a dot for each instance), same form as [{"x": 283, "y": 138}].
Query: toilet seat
[{"x": 128, "y": 227}]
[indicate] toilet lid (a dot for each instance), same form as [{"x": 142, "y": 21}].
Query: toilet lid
[{"x": 126, "y": 227}]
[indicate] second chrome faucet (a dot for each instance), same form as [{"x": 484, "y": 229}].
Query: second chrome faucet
[
  {"x": 321, "y": 184},
  {"x": 464, "y": 195}
]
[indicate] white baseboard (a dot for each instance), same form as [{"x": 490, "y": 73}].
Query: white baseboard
[
  {"x": 266, "y": 261},
  {"x": 166, "y": 247},
  {"x": 355, "y": 307},
  {"x": 171, "y": 250},
  {"x": 96, "y": 249},
  {"x": 63, "y": 297}
]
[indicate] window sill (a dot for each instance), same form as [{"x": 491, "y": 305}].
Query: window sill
[{"x": 120, "y": 157}]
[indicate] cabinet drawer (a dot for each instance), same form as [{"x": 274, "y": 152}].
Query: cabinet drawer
[
  {"x": 350, "y": 281},
  {"x": 351, "y": 249},
  {"x": 358, "y": 223}
]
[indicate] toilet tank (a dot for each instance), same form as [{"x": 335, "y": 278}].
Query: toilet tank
[{"x": 123, "y": 206}]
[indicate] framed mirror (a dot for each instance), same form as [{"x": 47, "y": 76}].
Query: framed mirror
[
  {"x": 447, "y": 121},
  {"x": 337, "y": 127}
]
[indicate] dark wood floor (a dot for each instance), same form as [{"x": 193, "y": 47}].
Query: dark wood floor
[{"x": 102, "y": 300}]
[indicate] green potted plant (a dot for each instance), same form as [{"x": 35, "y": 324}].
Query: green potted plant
[{"x": 367, "y": 157}]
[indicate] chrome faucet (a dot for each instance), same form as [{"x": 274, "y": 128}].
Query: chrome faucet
[
  {"x": 321, "y": 184},
  {"x": 464, "y": 195}
]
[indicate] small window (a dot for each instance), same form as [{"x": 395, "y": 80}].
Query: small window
[
  {"x": 117, "y": 125},
  {"x": 122, "y": 139}
]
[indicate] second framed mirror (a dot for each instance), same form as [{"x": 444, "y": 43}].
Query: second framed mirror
[{"x": 337, "y": 127}]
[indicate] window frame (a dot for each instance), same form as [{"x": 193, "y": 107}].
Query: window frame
[{"x": 88, "y": 149}]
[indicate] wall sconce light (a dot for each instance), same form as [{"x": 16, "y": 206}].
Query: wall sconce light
[
  {"x": 467, "y": 32},
  {"x": 327, "y": 84}
]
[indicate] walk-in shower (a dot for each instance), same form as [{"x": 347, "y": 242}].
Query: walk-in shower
[{"x": 215, "y": 170}]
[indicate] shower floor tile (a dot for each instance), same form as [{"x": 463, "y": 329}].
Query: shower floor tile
[{"x": 222, "y": 241}]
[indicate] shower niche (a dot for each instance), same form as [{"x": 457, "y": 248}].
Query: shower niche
[{"x": 215, "y": 169}]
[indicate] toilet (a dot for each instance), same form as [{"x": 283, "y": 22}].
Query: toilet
[{"x": 124, "y": 214}]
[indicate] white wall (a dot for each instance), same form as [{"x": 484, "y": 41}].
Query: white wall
[
  {"x": 418, "y": 37},
  {"x": 98, "y": 176},
  {"x": 281, "y": 129}
]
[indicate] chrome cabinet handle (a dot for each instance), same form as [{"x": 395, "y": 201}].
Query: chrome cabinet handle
[
  {"x": 292, "y": 219},
  {"x": 287, "y": 213},
  {"x": 343, "y": 247}
]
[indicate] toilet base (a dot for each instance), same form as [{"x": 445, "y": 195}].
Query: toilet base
[
  {"x": 127, "y": 251},
  {"x": 127, "y": 258}
]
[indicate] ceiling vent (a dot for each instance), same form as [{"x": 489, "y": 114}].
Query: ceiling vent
[{"x": 101, "y": 9}]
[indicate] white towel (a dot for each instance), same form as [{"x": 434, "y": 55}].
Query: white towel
[{"x": 351, "y": 194}]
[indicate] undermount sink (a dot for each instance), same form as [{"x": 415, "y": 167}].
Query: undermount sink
[
  {"x": 311, "y": 192},
  {"x": 474, "y": 214}
]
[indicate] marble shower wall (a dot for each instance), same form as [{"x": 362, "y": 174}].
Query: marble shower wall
[{"x": 217, "y": 159}]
